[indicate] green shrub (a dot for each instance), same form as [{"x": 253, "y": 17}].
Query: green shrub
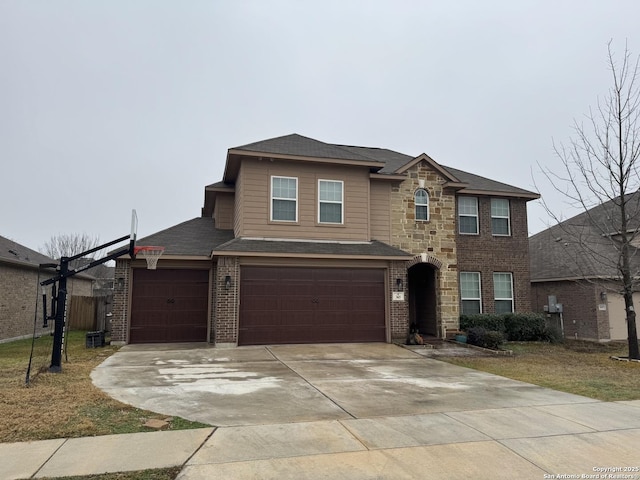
[
  {"x": 515, "y": 327},
  {"x": 488, "y": 321},
  {"x": 482, "y": 337},
  {"x": 524, "y": 327}
]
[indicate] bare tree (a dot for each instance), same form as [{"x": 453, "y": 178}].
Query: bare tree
[
  {"x": 599, "y": 175},
  {"x": 69, "y": 245}
]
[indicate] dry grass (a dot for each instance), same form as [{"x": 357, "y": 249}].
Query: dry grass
[
  {"x": 159, "y": 474},
  {"x": 60, "y": 405},
  {"x": 583, "y": 368}
]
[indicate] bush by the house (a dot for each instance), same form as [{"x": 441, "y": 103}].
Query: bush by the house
[
  {"x": 515, "y": 327},
  {"x": 525, "y": 327},
  {"x": 488, "y": 321},
  {"x": 482, "y": 337}
]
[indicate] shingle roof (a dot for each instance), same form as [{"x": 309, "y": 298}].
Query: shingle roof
[
  {"x": 582, "y": 246},
  {"x": 298, "y": 145},
  {"x": 371, "y": 249},
  {"x": 476, "y": 182},
  {"x": 195, "y": 237},
  {"x": 14, "y": 252},
  {"x": 391, "y": 161}
]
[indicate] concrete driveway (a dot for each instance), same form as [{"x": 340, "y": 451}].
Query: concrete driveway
[{"x": 367, "y": 411}]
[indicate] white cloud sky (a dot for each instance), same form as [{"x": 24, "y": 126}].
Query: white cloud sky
[{"x": 113, "y": 105}]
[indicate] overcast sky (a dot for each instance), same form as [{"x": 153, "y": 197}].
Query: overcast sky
[{"x": 111, "y": 105}]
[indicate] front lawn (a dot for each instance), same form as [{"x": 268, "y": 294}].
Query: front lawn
[
  {"x": 583, "y": 368},
  {"x": 66, "y": 404}
]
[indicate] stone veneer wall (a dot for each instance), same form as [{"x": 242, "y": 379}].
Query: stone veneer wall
[
  {"x": 436, "y": 237},
  {"x": 226, "y": 305}
]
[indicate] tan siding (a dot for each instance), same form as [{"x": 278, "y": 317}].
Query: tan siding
[
  {"x": 255, "y": 191},
  {"x": 238, "y": 216},
  {"x": 380, "y": 216},
  {"x": 223, "y": 210}
]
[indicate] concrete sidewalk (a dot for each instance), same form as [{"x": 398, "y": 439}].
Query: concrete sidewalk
[{"x": 505, "y": 443}]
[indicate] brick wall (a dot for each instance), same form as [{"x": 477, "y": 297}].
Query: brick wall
[
  {"x": 19, "y": 291},
  {"x": 582, "y": 318},
  {"x": 21, "y": 300},
  {"x": 225, "y": 328},
  {"x": 398, "y": 310},
  {"x": 119, "y": 319},
  {"x": 486, "y": 253}
]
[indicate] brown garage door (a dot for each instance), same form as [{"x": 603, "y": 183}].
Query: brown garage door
[
  {"x": 169, "y": 305},
  {"x": 311, "y": 305}
]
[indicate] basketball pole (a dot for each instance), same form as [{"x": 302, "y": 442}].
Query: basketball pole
[{"x": 64, "y": 272}]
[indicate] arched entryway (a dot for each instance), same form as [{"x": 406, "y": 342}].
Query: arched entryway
[{"x": 423, "y": 298}]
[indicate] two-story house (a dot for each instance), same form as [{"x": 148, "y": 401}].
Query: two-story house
[{"x": 309, "y": 242}]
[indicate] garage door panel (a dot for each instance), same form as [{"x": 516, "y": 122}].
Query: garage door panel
[
  {"x": 169, "y": 305},
  {"x": 311, "y": 305}
]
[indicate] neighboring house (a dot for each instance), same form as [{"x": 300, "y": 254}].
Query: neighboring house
[
  {"x": 309, "y": 242},
  {"x": 573, "y": 264},
  {"x": 20, "y": 292}
]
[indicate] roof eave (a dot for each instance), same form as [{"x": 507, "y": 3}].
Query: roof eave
[
  {"x": 390, "y": 176},
  {"x": 498, "y": 193},
  {"x": 232, "y": 253},
  {"x": 233, "y": 154}
]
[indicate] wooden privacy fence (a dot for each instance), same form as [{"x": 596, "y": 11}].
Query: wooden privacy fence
[{"x": 88, "y": 313}]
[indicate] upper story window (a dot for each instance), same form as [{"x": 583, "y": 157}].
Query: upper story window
[
  {"x": 500, "y": 220},
  {"x": 422, "y": 204},
  {"x": 470, "y": 293},
  {"x": 468, "y": 215},
  {"x": 503, "y": 292},
  {"x": 284, "y": 199},
  {"x": 330, "y": 203}
]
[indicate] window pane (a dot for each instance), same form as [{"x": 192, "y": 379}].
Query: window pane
[
  {"x": 502, "y": 285},
  {"x": 422, "y": 212},
  {"x": 499, "y": 207},
  {"x": 468, "y": 225},
  {"x": 500, "y": 226},
  {"x": 284, "y": 210},
  {"x": 504, "y": 306},
  {"x": 469, "y": 285},
  {"x": 467, "y": 206},
  {"x": 331, "y": 212},
  {"x": 330, "y": 191},
  {"x": 421, "y": 197},
  {"x": 284, "y": 187},
  {"x": 470, "y": 307}
]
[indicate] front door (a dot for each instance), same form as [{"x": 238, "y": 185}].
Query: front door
[{"x": 423, "y": 299}]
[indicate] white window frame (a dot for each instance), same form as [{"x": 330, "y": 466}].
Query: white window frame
[
  {"x": 333, "y": 202},
  {"x": 508, "y": 217},
  {"x": 273, "y": 197},
  {"x": 501, "y": 299},
  {"x": 467, "y": 214},
  {"x": 478, "y": 299},
  {"x": 426, "y": 204}
]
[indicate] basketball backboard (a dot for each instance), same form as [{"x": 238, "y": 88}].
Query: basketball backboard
[{"x": 134, "y": 233}]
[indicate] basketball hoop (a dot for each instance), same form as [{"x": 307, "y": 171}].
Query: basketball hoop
[{"x": 151, "y": 255}]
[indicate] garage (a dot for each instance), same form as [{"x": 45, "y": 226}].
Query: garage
[
  {"x": 311, "y": 305},
  {"x": 169, "y": 305}
]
